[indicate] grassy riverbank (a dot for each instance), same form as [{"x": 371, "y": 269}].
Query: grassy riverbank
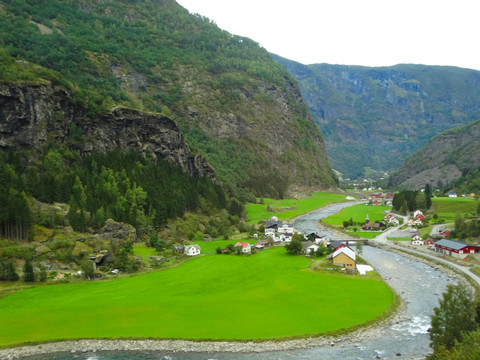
[
  {"x": 287, "y": 209},
  {"x": 268, "y": 295}
]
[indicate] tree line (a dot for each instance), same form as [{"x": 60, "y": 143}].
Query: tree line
[{"x": 124, "y": 186}]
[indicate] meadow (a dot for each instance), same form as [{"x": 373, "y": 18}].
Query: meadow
[
  {"x": 448, "y": 209},
  {"x": 267, "y": 295},
  {"x": 289, "y": 208},
  {"x": 358, "y": 213},
  {"x": 365, "y": 234},
  {"x": 210, "y": 247}
]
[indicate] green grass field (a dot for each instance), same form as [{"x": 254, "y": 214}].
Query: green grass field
[
  {"x": 365, "y": 234},
  {"x": 448, "y": 208},
  {"x": 358, "y": 213},
  {"x": 210, "y": 247},
  {"x": 289, "y": 208},
  {"x": 268, "y": 295}
]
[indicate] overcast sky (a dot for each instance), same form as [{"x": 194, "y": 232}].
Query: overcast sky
[{"x": 355, "y": 32}]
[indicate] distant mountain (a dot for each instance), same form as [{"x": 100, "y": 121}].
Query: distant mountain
[
  {"x": 376, "y": 117},
  {"x": 444, "y": 159},
  {"x": 235, "y": 105}
]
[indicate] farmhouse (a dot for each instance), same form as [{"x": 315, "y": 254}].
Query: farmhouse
[
  {"x": 246, "y": 248},
  {"x": 345, "y": 257},
  {"x": 455, "y": 248},
  {"x": 417, "y": 240},
  {"x": 192, "y": 250}
]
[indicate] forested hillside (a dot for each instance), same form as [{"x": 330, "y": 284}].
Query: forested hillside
[
  {"x": 449, "y": 159},
  {"x": 235, "y": 105},
  {"x": 376, "y": 117}
]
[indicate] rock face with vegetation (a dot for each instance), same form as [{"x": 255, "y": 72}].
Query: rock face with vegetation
[
  {"x": 446, "y": 158},
  {"x": 376, "y": 117},
  {"x": 32, "y": 115},
  {"x": 235, "y": 105}
]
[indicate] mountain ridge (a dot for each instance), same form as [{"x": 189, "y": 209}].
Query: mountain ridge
[{"x": 376, "y": 116}]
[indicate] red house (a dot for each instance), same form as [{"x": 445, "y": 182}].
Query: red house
[{"x": 455, "y": 248}]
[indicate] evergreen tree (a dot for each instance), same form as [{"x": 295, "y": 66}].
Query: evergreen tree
[
  {"x": 295, "y": 247},
  {"x": 28, "y": 274},
  {"x": 452, "y": 318}
]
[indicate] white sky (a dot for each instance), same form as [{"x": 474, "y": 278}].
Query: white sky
[{"x": 355, "y": 32}]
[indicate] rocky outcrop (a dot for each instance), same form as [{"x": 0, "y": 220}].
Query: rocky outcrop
[
  {"x": 117, "y": 231},
  {"x": 32, "y": 115}
]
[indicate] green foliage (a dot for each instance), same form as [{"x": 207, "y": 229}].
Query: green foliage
[
  {"x": 295, "y": 247},
  {"x": 7, "y": 271},
  {"x": 123, "y": 186},
  {"x": 28, "y": 274},
  {"x": 452, "y": 318},
  {"x": 15, "y": 214}
]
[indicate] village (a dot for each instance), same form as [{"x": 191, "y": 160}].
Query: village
[{"x": 278, "y": 233}]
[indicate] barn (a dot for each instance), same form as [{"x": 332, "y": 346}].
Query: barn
[{"x": 455, "y": 248}]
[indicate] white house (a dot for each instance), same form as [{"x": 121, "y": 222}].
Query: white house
[
  {"x": 270, "y": 231},
  {"x": 310, "y": 247},
  {"x": 285, "y": 228},
  {"x": 286, "y": 237},
  {"x": 415, "y": 222},
  {"x": 416, "y": 240},
  {"x": 246, "y": 248},
  {"x": 192, "y": 250},
  {"x": 452, "y": 194},
  {"x": 417, "y": 213}
]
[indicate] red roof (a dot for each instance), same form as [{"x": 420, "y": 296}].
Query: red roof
[{"x": 244, "y": 244}]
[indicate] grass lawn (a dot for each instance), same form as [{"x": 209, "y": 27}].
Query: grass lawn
[
  {"x": 448, "y": 208},
  {"x": 143, "y": 251},
  {"x": 358, "y": 213},
  {"x": 365, "y": 234},
  {"x": 290, "y": 208},
  {"x": 399, "y": 239},
  {"x": 210, "y": 247},
  {"x": 268, "y": 295}
]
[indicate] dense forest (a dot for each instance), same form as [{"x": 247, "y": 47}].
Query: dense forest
[{"x": 125, "y": 187}]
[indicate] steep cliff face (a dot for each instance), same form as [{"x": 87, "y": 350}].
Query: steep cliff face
[
  {"x": 376, "y": 117},
  {"x": 443, "y": 159},
  {"x": 32, "y": 115}
]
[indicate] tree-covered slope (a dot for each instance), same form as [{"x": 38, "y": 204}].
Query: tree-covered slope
[
  {"x": 376, "y": 117},
  {"x": 235, "y": 105},
  {"x": 446, "y": 158}
]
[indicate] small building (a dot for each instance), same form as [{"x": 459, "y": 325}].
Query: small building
[
  {"x": 455, "y": 248},
  {"x": 192, "y": 250},
  {"x": 310, "y": 247},
  {"x": 417, "y": 240},
  {"x": 452, "y": 194},
  {"x": 246, "y": 247},
  {"x": 179, "y": 248},
  {"x": 344, "y": 257},
  {"x": 286, "y": 237},
  {"x": 336, "y": 245}
]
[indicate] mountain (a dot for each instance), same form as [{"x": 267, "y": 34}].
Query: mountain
[
  {"x": 376, "y": 117},
  {"x": 234, "y": 104},
  {"x": 444, "y": 159}
]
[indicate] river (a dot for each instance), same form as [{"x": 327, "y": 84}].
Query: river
[{"x": 418, "y": 284}]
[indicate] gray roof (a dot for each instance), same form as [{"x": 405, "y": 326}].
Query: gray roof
[
  {"x": 269, "y": 223},
  {"x": 456, "y": 245}
]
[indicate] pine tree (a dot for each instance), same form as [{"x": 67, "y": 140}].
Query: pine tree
[{"x": 28, "y": 274}]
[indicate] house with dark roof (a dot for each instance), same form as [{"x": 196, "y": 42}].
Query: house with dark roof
[{"x": 455, "y": 248}]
